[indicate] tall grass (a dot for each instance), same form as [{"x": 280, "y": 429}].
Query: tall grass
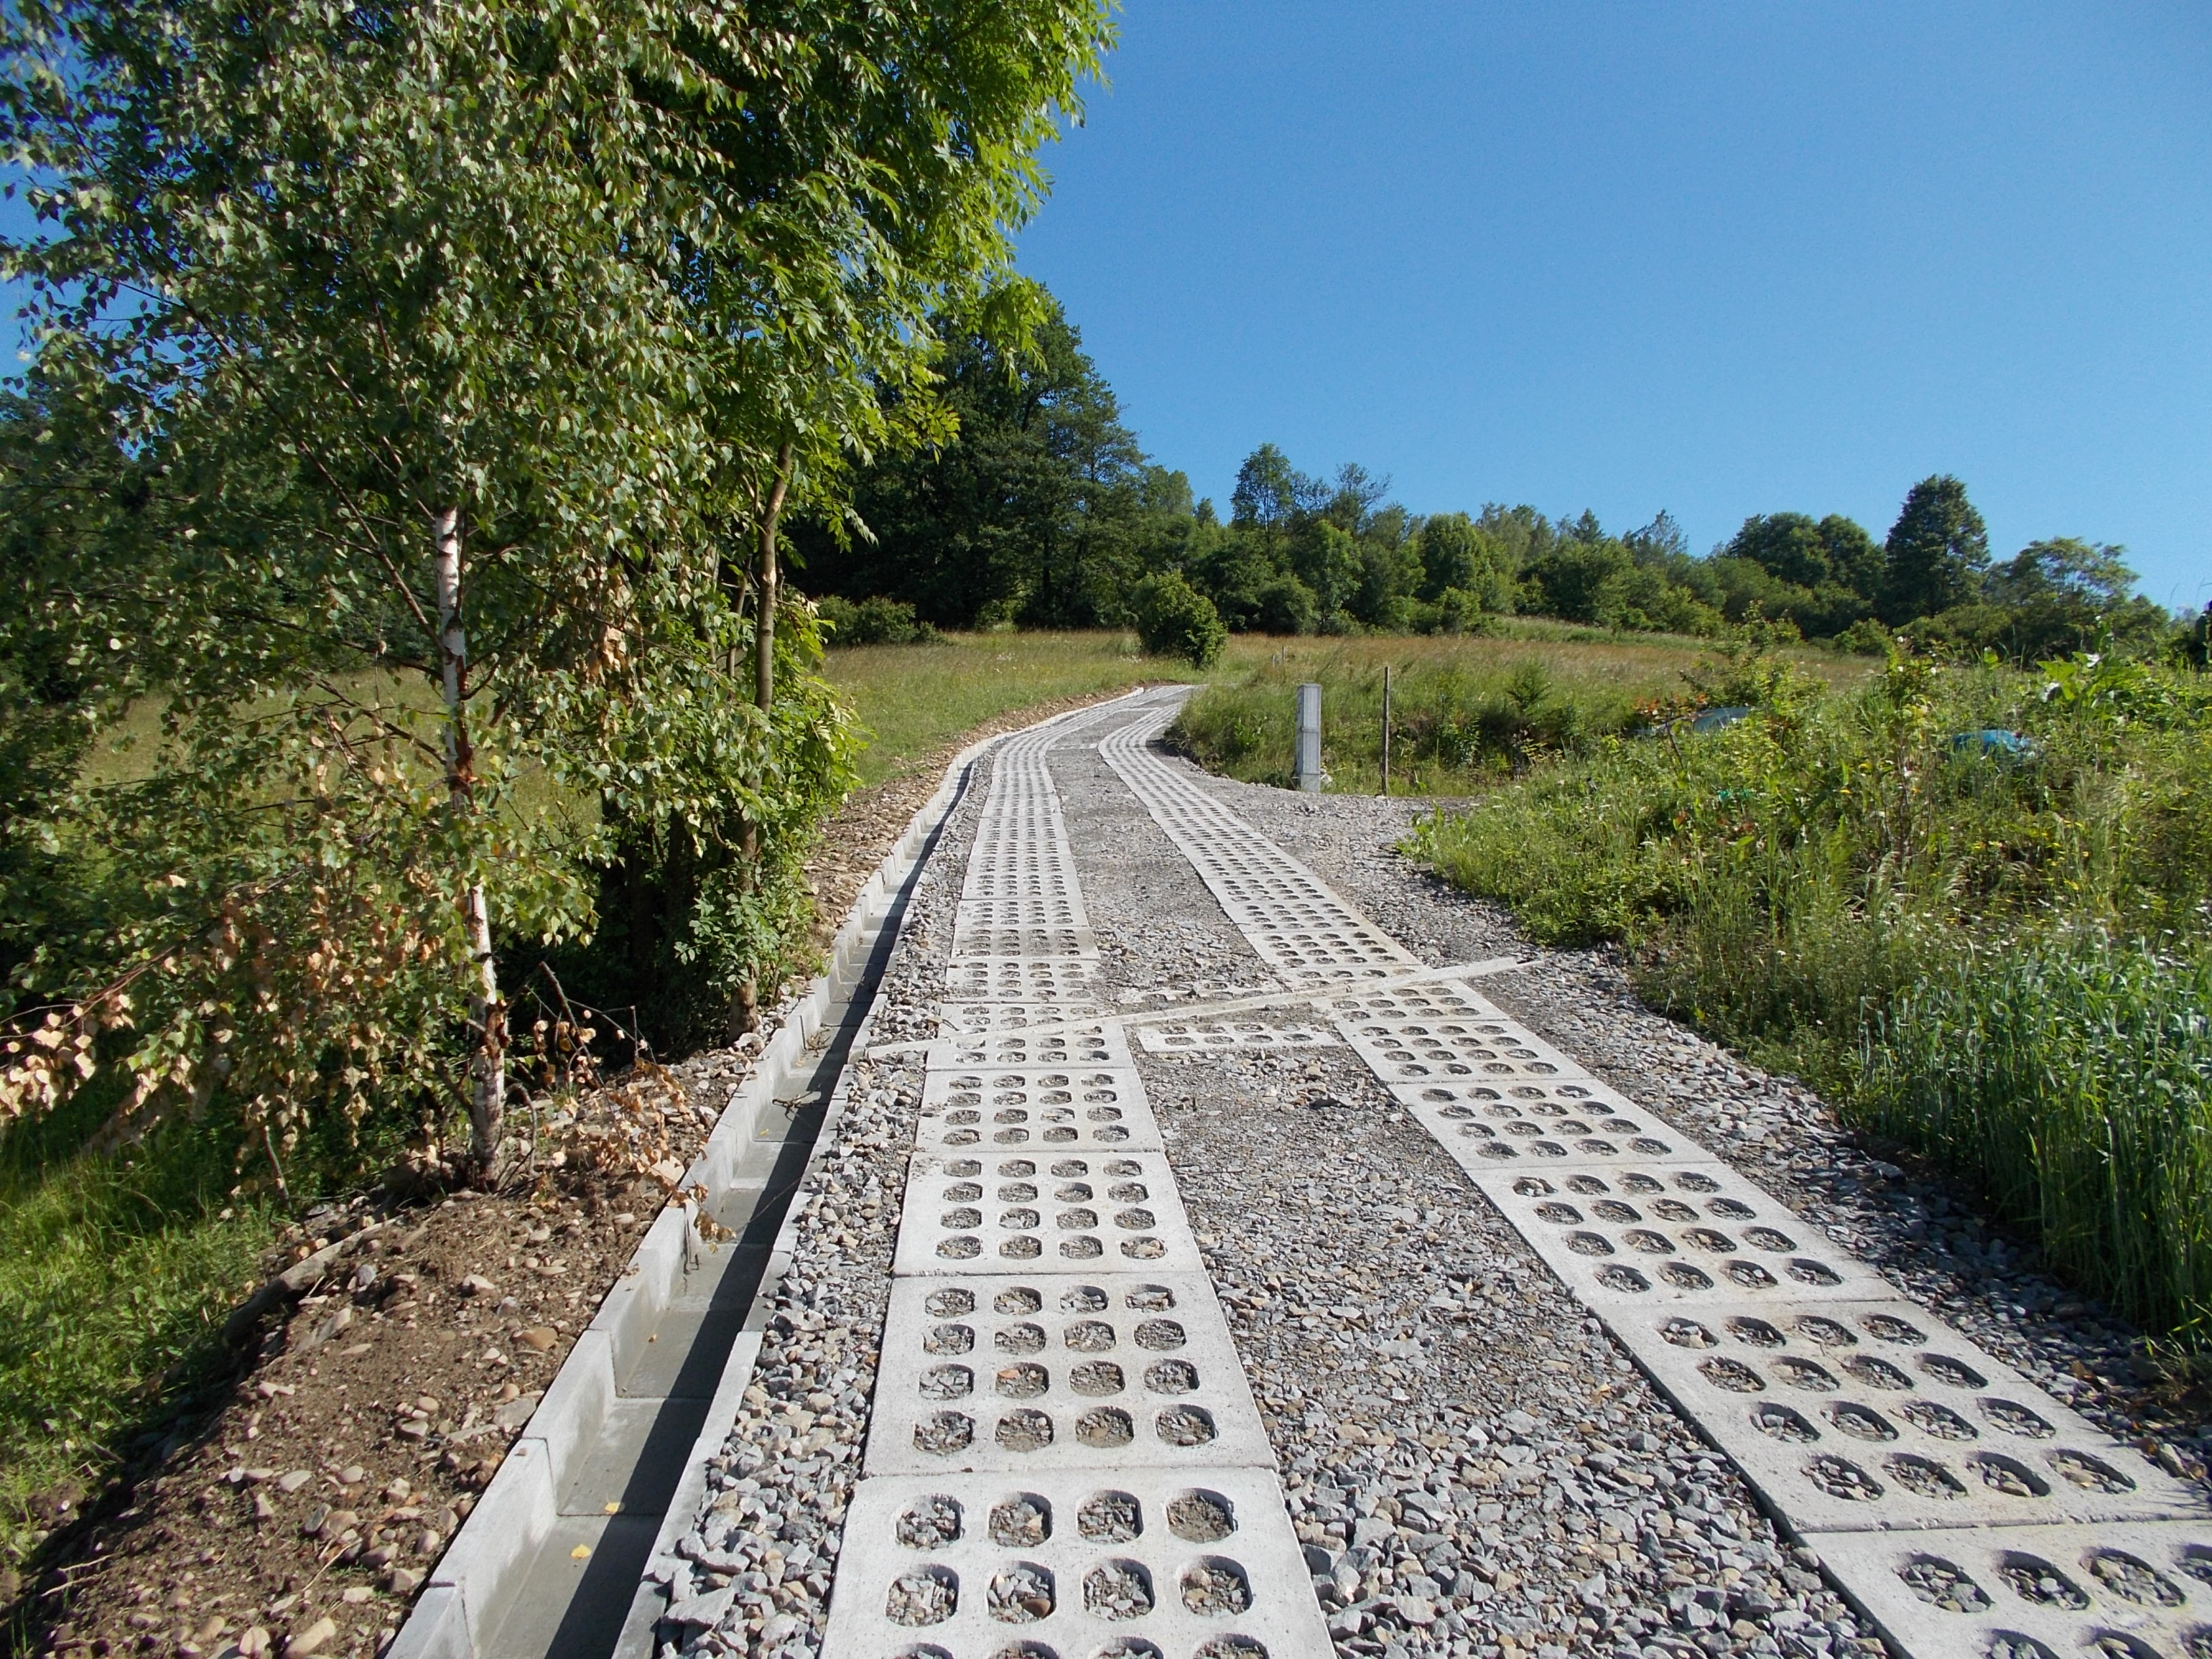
[
  {"x": 2071, "y": 1077},
  {"x": 115, "y": 1273},
  {"x": 1466, "y": 711},
  {"x": 1948, "y": 937}
]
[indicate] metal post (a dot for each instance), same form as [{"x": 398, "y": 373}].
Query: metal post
[
  {"x": 1309, "y": 737},
  {"x": 1386, "y": 728}
]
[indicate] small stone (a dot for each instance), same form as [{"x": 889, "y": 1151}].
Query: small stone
[
  {"x": 295, "y": 1480},
  {"x": 253, "y": 1643},
  {"x": 540, "y": 1336},
  {"x": 311, "y": 1638},
  {"x": 476, "y": 1284},
  {"x": 352, "y": 1475},
  {"x": 354, "y": 1595},
  {"x": 402, "y": 1581}
]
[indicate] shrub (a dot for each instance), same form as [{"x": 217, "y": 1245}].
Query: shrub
[
  {"x": 1174, "y": 619},
  {"x": 1285, "y": 605},
  {"x": 877, "y": 621}
]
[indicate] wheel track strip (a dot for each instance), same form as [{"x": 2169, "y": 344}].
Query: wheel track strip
[
  {"x": 1064, "y": 1458},
  {"x": 1935, "y": 1481}
]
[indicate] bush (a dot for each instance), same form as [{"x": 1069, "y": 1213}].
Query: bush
[
  {"x": 877, "y": 621},
  {"x": 1285, "y": 605},
  {"x": 1455, "y": 611},
  {"x": 1174, "y": 619}
]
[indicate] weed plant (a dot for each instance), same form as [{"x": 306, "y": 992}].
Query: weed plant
[{"x": 1970, "y": 903}]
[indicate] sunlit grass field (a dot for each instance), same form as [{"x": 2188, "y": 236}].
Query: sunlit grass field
[
  {"x": 913, "y": 698},
  {"x": 1466, "y": 711}
]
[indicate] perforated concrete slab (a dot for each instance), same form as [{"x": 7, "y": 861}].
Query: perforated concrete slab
[
  {"x": 1133, "y": 1563},
  {"x": 1094, "y": 1043},
  {"x": 1432, "y": 999},
  {"x": 1860, "y": 1416},
  {"x": 1049, "y": 980},
  {"x": 1548, "y": 1125},
  {"x": 2140, "y": 1591},
  {"x": 1291, "y": 918},
  {"x": 1455, "y": 1050},
  {"x": 1087, "y": 1214},
  {"x": 1233, "y": 1035},
  {"x": 1070, "y": 942},
  {"x": 972, "y": 1016},
  {"x": 1685, "y": 1236},
  {"x": 1038, "y": 910},
  {"x": 1113, "y": 1370},
  {"x": 1053, "y": 1109}
]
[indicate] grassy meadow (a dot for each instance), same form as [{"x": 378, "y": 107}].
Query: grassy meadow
[
  {"x": 913, "y": 698},
  {"x": 1467, "y": 711}
]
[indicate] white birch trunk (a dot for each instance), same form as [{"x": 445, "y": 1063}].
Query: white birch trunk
[{"x": 486, "y": 1014}]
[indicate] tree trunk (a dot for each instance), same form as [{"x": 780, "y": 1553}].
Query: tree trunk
[
  {"x": 486, "y": 1014},
  {"x": 745, "y": 1001},
  {"x": 768, "y": 588}
]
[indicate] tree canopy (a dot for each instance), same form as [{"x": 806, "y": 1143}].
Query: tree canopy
[{"x": 474, "y": 348}]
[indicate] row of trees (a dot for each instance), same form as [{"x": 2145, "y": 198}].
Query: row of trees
[
  {"x": 1044, "y": 510},
  {"x": 419, "y": 395}
]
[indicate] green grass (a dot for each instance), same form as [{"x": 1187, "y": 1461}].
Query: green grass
[
  {"x": 1465, "y": 711},
  {"x": 113, "y": 1272},
  {"x": 913, "y": 698},
  {"x": 2072, "y": 1079},
  {"x": 2001, "y": 963}
]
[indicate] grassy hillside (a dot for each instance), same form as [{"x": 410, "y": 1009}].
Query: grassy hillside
[{"x": 1970, "y": 904}]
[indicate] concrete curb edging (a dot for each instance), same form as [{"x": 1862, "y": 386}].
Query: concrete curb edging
[{"x": 468, "y": 1590}]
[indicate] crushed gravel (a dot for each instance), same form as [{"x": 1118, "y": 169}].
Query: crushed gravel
[{"x": 1475, "y": 1468}]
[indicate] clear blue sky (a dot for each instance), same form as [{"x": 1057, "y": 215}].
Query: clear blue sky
[{"x": 1717, "y": 259}]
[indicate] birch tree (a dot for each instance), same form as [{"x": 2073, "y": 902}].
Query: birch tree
[{"x": 438, "y": 347}]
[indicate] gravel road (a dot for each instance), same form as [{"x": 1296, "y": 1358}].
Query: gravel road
[{"x": 1474, "y": 1467}]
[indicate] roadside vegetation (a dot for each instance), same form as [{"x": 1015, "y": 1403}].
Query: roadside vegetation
[
  {"x": 910, "y": 699},
  {"x": 1466, "y": 713},
  {"x": 1967, "y": 901}
]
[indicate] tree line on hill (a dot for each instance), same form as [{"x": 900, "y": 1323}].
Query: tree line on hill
[{"x": 1044, "y": 511}]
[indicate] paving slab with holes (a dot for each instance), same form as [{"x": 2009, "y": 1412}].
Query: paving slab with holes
[{"x": 1064, "y": 1459}]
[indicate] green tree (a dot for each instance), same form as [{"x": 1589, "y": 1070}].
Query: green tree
[
  {"x": 474, "y": 344},
  {"x": 1174, "y": 619},
  {"x": 2065, "y": 595},
  {"x": 1272, "y": 493},
  {"x": 1036, "y": 503},
  {"x": 1935, "y": 552}
]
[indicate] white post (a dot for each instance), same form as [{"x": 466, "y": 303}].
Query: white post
[{"x": 1310, "y": 776}]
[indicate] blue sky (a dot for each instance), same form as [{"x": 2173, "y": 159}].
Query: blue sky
[{"x": 1717, "y": 260}]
